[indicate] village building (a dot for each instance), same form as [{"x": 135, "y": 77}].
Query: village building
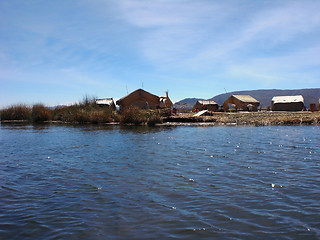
[
  {"x": 209, "y": 105},
  {"x": 165, "y": 102},
  {"x": 313, "y": 107},
  {"x": 144, "y": 100},
  {"x": 106, "y": 102},
  {"x": 241, "y": 102},
  {"x": 287, "y": 103}
]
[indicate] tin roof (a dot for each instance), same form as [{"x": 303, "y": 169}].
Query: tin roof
[
  {"x": 207, "y": 102},
  {"x": 104, "y": 101},
  {"x": 287, "y": 99}
]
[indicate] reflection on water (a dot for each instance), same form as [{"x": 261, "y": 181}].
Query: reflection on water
[{"x": 129, "y": 182}]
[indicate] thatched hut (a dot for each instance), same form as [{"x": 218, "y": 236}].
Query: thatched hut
[
  {"x": 144, "y": 100},
  {"x": 287, "y": 103},
  {"x": 241, "y": 102},
  {"x": 165, "y": 102},
  {"x": 205, "y": 105},
  {"x": 106, "y": 102}
]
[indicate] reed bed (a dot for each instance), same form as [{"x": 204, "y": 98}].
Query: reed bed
[
  {"x": 87, "y": 111},
  {"x": 19, "y": 112},
  {"x": 137, "y": 116}
]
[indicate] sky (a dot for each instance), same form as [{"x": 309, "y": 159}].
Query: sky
[{"x": 57, "y": 52}]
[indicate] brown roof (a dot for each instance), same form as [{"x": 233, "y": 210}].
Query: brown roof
[
  {"x": 246, "y": 98},
  {"x": 139, "y": 93}
]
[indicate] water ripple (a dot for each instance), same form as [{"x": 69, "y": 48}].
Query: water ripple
[{"x": 159, "y": 183}]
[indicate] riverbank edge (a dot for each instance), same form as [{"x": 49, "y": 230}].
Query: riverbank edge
[
  {"x": 219, "y": 119},
  {"x": 249, "y": 119}
]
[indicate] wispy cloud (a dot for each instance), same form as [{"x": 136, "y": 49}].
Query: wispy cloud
[
  {"x": 102, "y": 44},
  {"x": 202, "y": 34}
]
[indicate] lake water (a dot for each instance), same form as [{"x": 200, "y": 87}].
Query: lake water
[{"x": 185, "y": 182}]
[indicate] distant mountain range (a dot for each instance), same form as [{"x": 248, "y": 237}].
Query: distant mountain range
[{"x": 263, "y": 96}]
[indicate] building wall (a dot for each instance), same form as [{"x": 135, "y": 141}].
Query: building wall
[
  {"x": 239, "y": 104},
  {"x": 287, "y": 106},
  {"x": 210, "y": 107}
]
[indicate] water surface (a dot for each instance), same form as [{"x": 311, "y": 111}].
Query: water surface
[{"x": 111, "y": 182}]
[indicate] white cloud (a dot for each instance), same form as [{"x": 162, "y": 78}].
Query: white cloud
[
  {"x": 283, "y": 22},
  {"x": 105, "y": 44},
  {"x": 199, "y": 35},
  {"x": 271, "y": 71},
  {"x": 172, "y": 31}
]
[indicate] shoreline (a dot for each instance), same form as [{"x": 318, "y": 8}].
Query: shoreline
[
  {"x": 250, "y": 118},
  {"x": 217, "y": 119}
]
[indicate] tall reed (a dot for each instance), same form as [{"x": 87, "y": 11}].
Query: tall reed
[
  {"x": 16, "y": 112},
  {"x": 137, "y": 116},
  {"x": 40, "y": 113}
]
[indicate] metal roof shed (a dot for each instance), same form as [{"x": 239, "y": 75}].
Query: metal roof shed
[{"x": 287, "y": 103}]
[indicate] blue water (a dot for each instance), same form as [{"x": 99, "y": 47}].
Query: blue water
[{"x": 186, "y": 182}]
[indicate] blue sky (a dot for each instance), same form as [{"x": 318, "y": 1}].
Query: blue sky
[{"x": 56, "y": 52}]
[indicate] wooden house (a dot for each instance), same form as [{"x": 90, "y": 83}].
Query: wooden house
[
  {"x": 287, "y": 103},
  {"x": 205, "y": 105},
  {"x": 106, "y": 102},
  {"x": 241, "y": 102},
  {"x": 144, "y": 100}
]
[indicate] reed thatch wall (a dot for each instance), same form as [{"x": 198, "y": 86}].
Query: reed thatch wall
[{"x": 242, "y": 102}]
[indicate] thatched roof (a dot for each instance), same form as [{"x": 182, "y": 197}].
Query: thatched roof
[
  {"x": 165, "y": 102},
  {"x": 137, "y": 95},
  {"x": 246, "y": 98}
]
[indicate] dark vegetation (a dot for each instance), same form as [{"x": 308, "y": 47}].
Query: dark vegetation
[
  {"x": 16, "y": 112},
  {"x": 138, "y": 117},
  {"x": 86, "y": 111},
  {"x": 40, "y": 113}
]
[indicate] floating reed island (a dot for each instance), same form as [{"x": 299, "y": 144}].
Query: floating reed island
[
  {"x": 85, "y": 112},
  {"x": 247, "y": 118},
  {"x": 88, "y": 112}
]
